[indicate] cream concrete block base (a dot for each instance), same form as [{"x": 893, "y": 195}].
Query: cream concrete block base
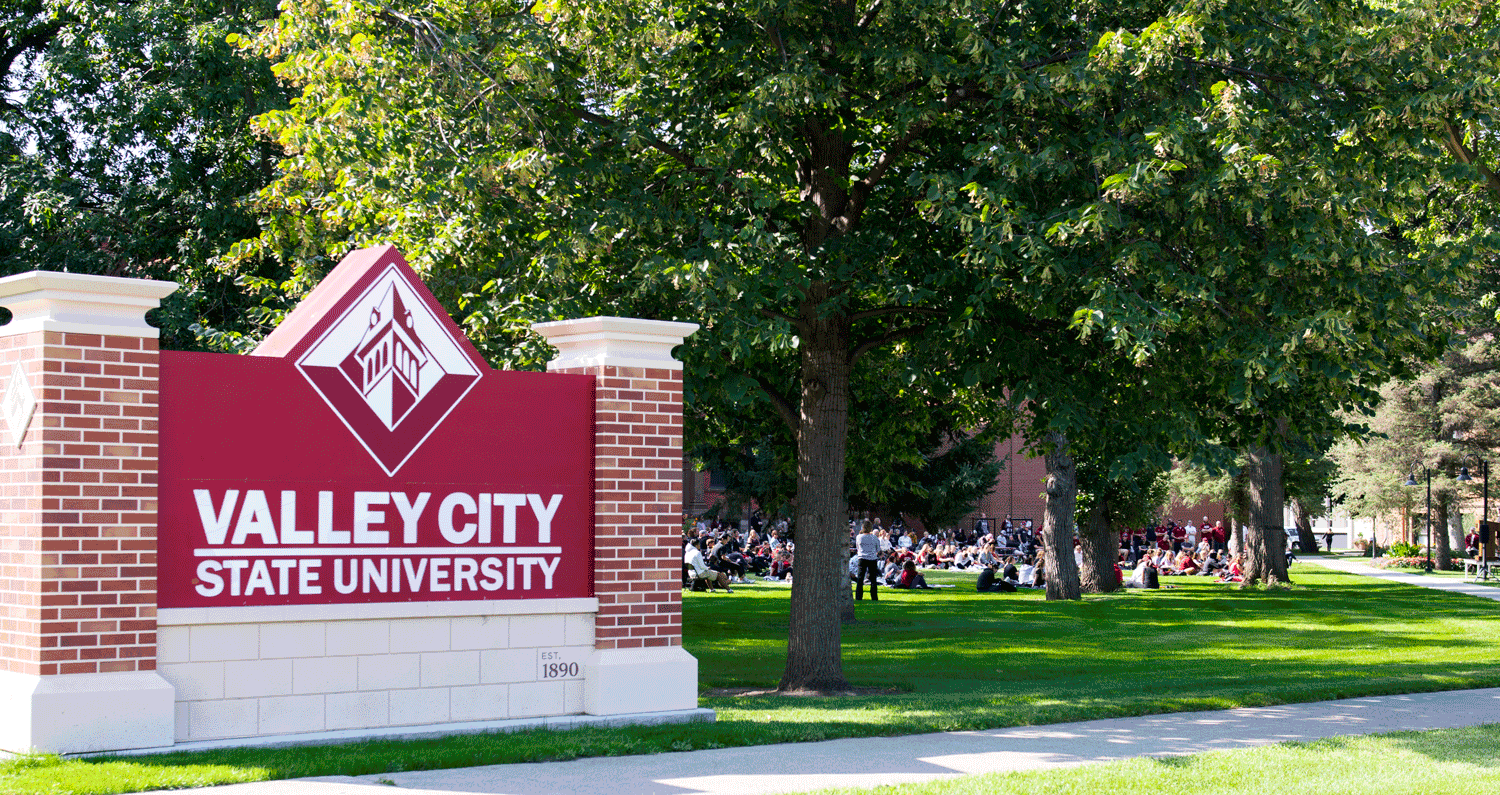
[
  {"x": 79, "y": 713},
  {"x": 620, "y": 681}
]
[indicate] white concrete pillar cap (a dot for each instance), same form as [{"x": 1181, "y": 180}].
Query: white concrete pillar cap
[
  {"x": 614, "y": 342},
  {"x": 81, "y": 303}
]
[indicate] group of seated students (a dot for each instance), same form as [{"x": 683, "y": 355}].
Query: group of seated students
[
  {"x": 1007, "y": 559},
  {"x": 898, "y": 569},
  {"x": 898, "y": 565},
  {"x": 1202, "y": 561},
  {"x": 995, "y": 578},
  {"x": 1169, "y": 535},
  {"x": 714, "y": 557}
]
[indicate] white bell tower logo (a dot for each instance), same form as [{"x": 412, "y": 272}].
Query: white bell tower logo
[{"x": 390, "y": 369}]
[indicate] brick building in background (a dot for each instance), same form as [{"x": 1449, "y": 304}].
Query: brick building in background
[{"x": 1019, "y": 492}]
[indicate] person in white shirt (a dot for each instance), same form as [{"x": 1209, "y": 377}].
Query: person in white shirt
[
  {"x": 1028, "y": 574},
  {"x": 693, "y": 556},
  {"x": 867, "y": 549}
]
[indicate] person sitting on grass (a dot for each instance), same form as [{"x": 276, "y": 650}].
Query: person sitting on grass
[
  {"x": 927, "y": 558},
  {"x": 704, "y": 578},
  {"x": 1235, "y": 573},
  {"x": 1026, "y": 572},
  {"x": 1185, "y": 564},
  {"x": 910, "y": 578},
  {"x": 989, "y": 583},
  {"x": 781, "y": 564},
  {"x": 890, "y": 572},
  {"x": 942, "y": 556},
  {"x": 1146, "y": 575},
  {"x": 988, "y": 556},
  {"x": 1009, "y": 573},
  {"x": 1138, "y": 576},
  {"x": 758, "y": 559},
  {"x": 722, "y": 556}
]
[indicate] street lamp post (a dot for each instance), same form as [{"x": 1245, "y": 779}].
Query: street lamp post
[{"x": 1411, "y": 480}]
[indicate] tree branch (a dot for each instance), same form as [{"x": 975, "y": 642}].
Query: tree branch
[
  {"x": 1454, "y": 141},
  {"x": 655, "y": 143},
  {"x": 37, "y": 39},
  {"x": 784, "y": 407},
  {"x": 890, "y": 336},
  {"x": 870, "y": 14},
  {"x": 891, "y": 310},
  {"x": 775, "y": 32},
  {"x": 1240, "y": 70},
  {"x": 796, "y": 323},
  {"x": 1262, "y": 18},
  {"x": 859, "y": 192},
  {"x": 1052, "y": 59}
]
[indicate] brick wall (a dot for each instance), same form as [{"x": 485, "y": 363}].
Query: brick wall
[
  {"x": 79, "y": 536},
  {"x": 638, "y": 506}
]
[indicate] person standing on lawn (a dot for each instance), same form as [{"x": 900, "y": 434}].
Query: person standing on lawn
[{"x": 867, "y": 547}]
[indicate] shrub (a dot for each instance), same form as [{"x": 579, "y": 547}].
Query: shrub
[
  {"x": 1404, "y": 550},
  {"x": 1399, "y": 562}
]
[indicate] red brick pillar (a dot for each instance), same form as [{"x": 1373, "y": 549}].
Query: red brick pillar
[
  {"x": 78, "y": 515},
  {"x": 638, "y": 664}
]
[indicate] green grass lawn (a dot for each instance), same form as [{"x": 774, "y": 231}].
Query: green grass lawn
[
  {"x": 962, "y": 660},
  {"x": 954, "y": 659},
  {"x": 1442, "y": 762}
]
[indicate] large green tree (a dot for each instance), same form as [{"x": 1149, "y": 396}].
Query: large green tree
[
  {"x": 1004, "y": 189},
  {"x": 125, "y": 147},
  {"x": 1443, "y": 414}
]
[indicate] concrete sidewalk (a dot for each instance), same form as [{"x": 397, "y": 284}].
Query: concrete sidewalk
[
  {"x": 1353, "y": 566},
  {"x": 868, "y": 762}
]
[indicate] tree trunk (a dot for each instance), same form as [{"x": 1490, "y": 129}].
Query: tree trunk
[
  {"x": 1442, "y": 554},
  {"x": 1058, "y": 522},
  {"x": 1239, "y": 506},
  {"x": 1456, "y": 527},
  {"x": 1101, "y": 551},
  {"x": 814, "y": 660},
  {"x": 846, "y": 596},
  {"x": 1305, "y": 535},
  {"x": 1264, "y": 547}
]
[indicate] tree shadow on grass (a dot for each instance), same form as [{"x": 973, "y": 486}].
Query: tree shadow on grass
[{"x": 1473, "y": 745}]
